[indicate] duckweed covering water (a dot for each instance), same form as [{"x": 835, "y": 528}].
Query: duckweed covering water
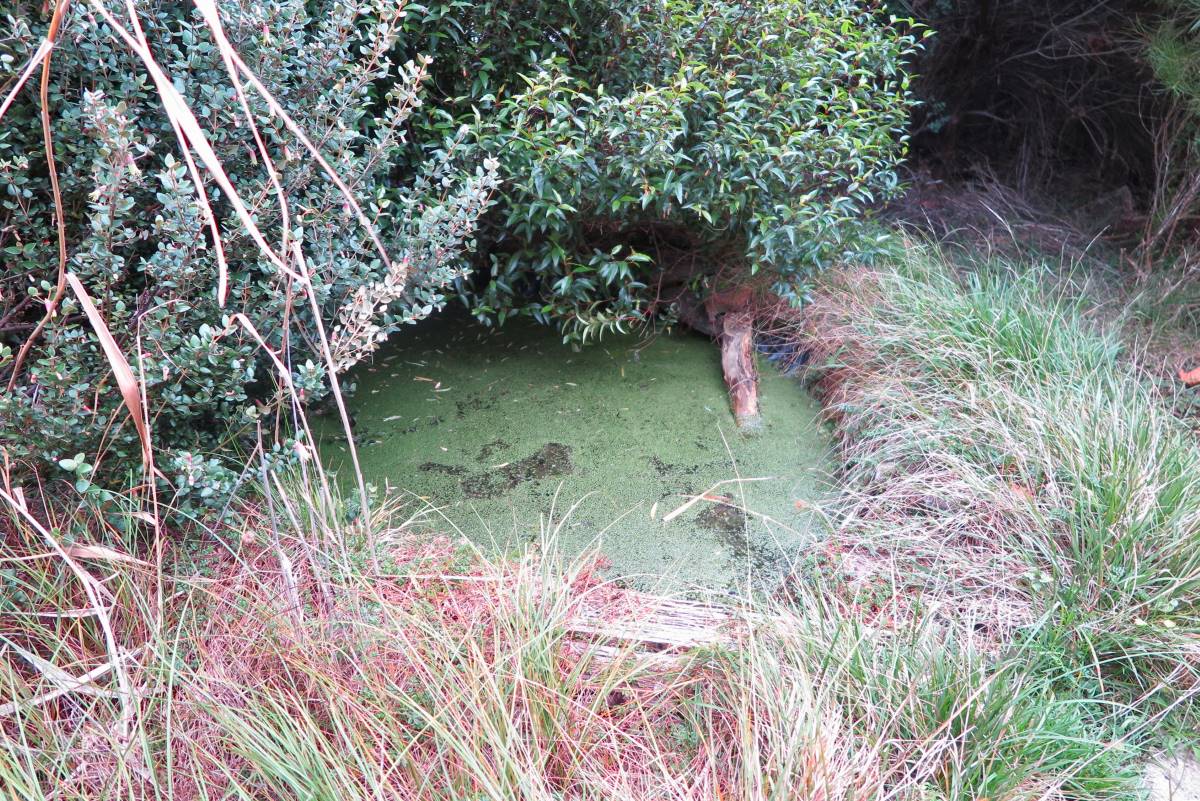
[{"x": 502, "y": 429}]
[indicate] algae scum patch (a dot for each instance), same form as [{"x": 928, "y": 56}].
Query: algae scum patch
[{"x": 506, "y": 429}]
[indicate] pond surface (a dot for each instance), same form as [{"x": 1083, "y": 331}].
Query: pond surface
[{"x": 506, "y": 430}]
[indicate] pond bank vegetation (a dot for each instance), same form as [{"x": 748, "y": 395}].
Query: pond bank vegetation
[
  {"x": 213, "y": 210},
  {"x": 1004, "y": 608}
]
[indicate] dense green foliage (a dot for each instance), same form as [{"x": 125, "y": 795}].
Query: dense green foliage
[
  {"x": 657, "y": 146},
  {"x": 643, "y": 148},
  {"x": 137, "y": 239}
]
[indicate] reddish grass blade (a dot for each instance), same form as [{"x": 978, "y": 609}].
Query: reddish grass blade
[{"x": 46, "y": 46}]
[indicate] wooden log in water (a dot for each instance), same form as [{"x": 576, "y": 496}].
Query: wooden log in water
[
  {"x": 737, "y": 363},
  {"x": 728, "y": 317},
  {"x": 731, "y": 315}
]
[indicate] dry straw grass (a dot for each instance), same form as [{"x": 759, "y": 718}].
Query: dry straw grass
[{"x": 285, "y": 671}]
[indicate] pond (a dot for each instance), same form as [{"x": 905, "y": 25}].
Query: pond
[{"x": 510, "y": 433}]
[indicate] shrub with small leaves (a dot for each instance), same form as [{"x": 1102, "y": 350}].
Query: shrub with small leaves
[{"x": 139, "y": 241}]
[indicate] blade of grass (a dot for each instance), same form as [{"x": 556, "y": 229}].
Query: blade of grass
[
  {"x": 95, "y": 590},
  {"x": 38, "y": 57},
  {"x": 126, "y": 381}
]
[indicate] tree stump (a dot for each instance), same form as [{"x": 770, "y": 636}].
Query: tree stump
[
  {"x": 737, "y": 363},
  {"x": 731, "y": 317}
]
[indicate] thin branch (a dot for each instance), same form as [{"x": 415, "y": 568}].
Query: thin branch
[{"x": 60, "y": 220}]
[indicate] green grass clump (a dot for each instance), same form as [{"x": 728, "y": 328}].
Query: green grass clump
[{"x": 1009, "y": 429}]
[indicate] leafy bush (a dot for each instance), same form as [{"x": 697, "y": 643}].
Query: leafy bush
[
  {"x": 649, "y": 147},
  {"x": 137, "y": 238}
]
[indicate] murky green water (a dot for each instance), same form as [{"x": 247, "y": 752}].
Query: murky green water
[{"x": 506, "y": 430}]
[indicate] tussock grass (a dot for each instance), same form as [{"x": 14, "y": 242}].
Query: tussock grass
[
  {"x": 446, "y": 675},
  {"x": 1003, "y": 457}
]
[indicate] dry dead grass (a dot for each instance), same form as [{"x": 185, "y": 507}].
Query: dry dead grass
[
  {"x": 444, "y": 675},
  {"x": 916, "y": 539}
]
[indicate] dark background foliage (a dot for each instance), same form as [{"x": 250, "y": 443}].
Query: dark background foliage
[{"x": 1070, "y": 102}]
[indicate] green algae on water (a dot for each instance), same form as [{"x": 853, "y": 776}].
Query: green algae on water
[{"x": 509, "y": 431}]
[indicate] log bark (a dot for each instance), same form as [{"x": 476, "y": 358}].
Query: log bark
[
  {"x": 728, "y": 317},
  {"x": 737, "y": 362},
  {"x": 731, "y": 318}
]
